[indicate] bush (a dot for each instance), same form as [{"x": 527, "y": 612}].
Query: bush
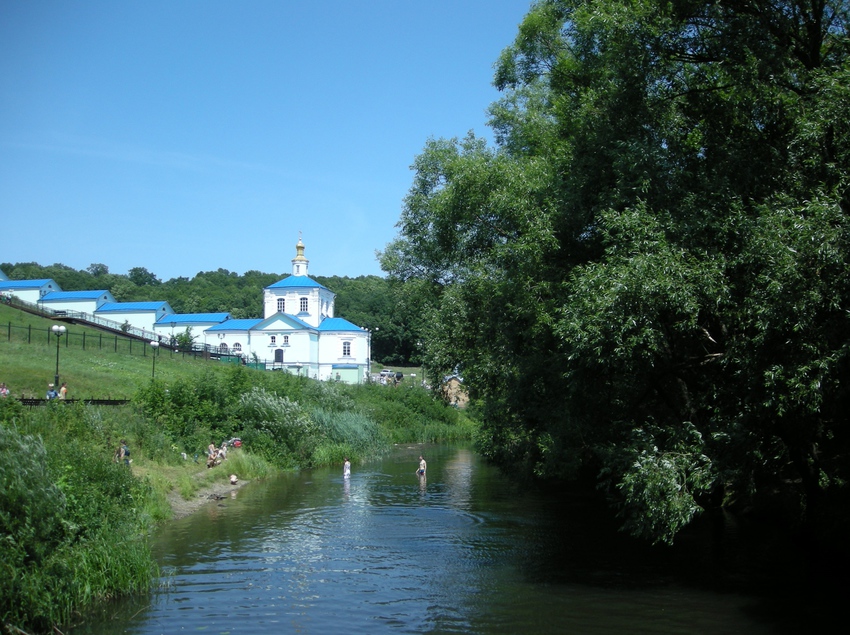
[{"x": 65, "y": 511}]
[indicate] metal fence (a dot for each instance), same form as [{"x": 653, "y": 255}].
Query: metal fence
[{"x": 31, "y": 402}]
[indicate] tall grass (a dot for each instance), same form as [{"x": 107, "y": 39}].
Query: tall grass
[{"x": 346, "y": 434}]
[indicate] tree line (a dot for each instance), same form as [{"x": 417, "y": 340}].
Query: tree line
[
  {"x": 644, "y": 281},
  {"x": 372, "y": 302}
]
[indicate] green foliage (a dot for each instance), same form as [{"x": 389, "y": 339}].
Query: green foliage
[
  {"x": 279, "y": 427},
  {"x": 659, "y": 235},
  {"x": 71, "y": 521},
  {"x": 660, "y": 473},
  {"x": 358, "y": 435},
  {"x": 185, "y": 340},
  {"x": 31, "y": 505}
]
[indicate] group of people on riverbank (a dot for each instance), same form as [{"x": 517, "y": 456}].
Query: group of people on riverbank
[{"x": 216, "y": 455}]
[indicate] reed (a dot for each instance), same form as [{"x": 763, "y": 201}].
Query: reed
[{"x": 355, "y": 431}]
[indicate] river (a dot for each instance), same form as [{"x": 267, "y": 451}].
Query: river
[{"x": 463, "y": 551}]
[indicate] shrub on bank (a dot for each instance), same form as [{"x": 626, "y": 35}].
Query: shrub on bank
[{"x": 72, "y": 521}]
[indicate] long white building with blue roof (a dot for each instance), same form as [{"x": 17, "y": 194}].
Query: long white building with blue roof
[
  {"x": 76, "y": 301},
  {"x": 29, "y": 290},
  {"x": 298, "y": 332},
  {"x": 141, "y": 315}
]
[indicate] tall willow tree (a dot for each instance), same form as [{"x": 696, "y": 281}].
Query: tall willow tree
[{"x": 646, "y": 279}]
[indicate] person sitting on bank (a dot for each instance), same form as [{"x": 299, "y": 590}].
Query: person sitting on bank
[
  {"x": 122, "y": 454},
  {"x": 51, "y": 392},
  {"x": 212, "y": 455}
]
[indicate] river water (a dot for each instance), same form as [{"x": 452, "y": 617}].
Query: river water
[{"x": 463, "y": 551}]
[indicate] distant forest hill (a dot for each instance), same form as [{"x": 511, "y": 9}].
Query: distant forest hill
[{"x": 367, "y": 301}]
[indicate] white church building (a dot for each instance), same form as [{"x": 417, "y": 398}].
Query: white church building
[{"x": 298, "y": 333}]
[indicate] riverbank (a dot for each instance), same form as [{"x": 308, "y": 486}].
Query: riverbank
[{"x": 182, "y": 507}]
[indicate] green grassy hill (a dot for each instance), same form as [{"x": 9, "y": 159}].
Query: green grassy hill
[{"x": 94, "y": 372}]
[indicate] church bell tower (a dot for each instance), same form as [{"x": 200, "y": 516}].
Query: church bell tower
[{"x": 299, "y": 263}]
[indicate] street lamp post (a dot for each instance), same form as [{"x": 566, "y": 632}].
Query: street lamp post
[
  {"x": 58, "y": 331},
  {"x": 155, "y": 346}
]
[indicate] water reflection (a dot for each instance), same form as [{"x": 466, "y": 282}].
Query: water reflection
[{"x": 461, "y": 551}]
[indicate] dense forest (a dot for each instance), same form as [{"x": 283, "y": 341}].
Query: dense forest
[
  {"x": 645, "y": 280},
  {"x": 368, "y": 301}
]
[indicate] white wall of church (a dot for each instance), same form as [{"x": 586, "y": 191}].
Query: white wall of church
[{"x": 320, "y": 304}]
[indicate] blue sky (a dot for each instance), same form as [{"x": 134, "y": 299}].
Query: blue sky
[{"x": 191, "y": 135}]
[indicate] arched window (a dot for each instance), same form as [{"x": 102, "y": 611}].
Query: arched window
[
  {"x": 222, "y": 348},
  {"x": 237, "y": 348},
  {"x": 281, "y": 305}
]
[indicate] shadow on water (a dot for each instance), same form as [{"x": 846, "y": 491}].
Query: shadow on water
[
  {"x": 463, "y": 550},
  {"x": 787, "y": 583}
]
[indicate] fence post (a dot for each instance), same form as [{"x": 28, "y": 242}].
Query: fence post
[
  {"x": 116, "y": 343},
  {"x": 84, "y": 340},
  {"x": 29, "y": 333},
  {"x": 10, "y": 331}
]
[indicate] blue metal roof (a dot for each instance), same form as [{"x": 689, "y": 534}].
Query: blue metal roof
[
  {"x": 235, "y": 325},
  {"x": 296, "y": 282},
  {"x": 131, "y": 306},
  {"x": 338, "y": 324},
  {"x": 185, "y": 318},
  {"x": 25, "y": 284},
  {"x": 74, "y": 295}
]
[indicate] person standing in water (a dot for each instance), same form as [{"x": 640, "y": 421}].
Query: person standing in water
[
  {"x": 422, "y": 466},
  {"x": 346, "y": 468}
]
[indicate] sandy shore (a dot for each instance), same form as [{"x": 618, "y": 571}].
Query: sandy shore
[{"x": 210, "y": 494}]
